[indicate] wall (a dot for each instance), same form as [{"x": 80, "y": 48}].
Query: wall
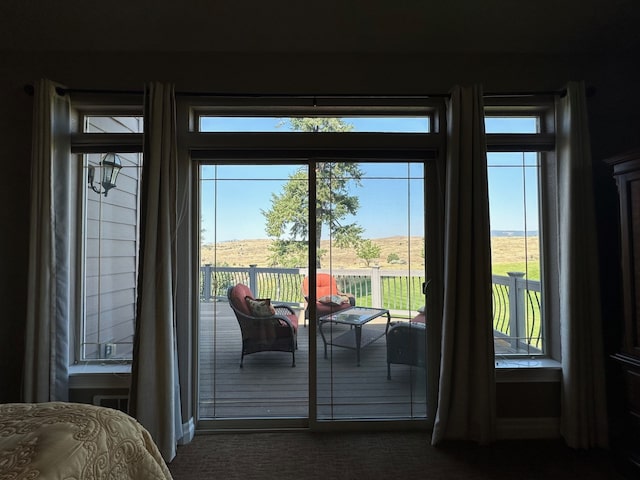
[{"x": 613, "y": 116}]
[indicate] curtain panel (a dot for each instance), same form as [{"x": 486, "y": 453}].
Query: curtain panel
[
  {"x": 50, "y": 295},
  {"x": 583, "y": 408},
  {"x": 466, "y": 393},
  {"x": 155, "y": 385}
]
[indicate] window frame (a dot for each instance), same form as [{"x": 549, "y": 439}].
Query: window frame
[
  {"x": 83, "y": 106},
  {"x": 543, "y": 143},
  {"x": 200, "y": 144},
  {"x": 328, "y": 108},
  {"x": 194, "y": 146}
]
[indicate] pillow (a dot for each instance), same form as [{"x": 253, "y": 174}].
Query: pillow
[
  {"x": 334, "y": 299},
  {"x": 421, "y": 309},
  {"x": 260, "y": 307}
]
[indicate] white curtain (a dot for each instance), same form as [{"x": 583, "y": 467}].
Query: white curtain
[
  {"x": 466, "y": 396},
  {"x": 583, "y": 411},
  {"x": 155, "y": 386},
  {"x": 50, "y": 289}
]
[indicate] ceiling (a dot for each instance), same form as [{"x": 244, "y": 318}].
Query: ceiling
[{"x": 329, "y": 26}]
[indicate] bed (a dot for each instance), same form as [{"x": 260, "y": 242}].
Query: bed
[{"x": 75, "y": 441}]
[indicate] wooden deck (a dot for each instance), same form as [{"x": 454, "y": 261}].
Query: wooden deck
[{"x": 268, "y": 387}]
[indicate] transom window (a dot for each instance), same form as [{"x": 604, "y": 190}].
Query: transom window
[
  {"x": 113, "y": 124},
  {"x": 368, "y": 124},
  {"x": 512, "y": 124}
]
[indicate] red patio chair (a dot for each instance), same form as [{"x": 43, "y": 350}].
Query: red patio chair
[
  {"x": 326, "y": 286},
  {"x": 263, "y": 330}
]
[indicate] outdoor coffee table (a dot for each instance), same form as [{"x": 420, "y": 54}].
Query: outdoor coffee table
[{"x": 356, "y": 337}]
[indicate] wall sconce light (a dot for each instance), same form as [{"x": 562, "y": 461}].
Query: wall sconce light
[{"x": 110, "y": 166}]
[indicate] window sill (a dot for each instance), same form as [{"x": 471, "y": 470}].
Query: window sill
[
  {"x": 100, "y": 376},
  {"x": 516, "y": 370},
  {"x": 510, "y": 370}
]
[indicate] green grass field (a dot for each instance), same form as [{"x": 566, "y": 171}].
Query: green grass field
[{"x": 532, "y": 269}]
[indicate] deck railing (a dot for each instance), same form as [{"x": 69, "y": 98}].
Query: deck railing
[
  {"x": 517, "y": 312},
  {"x": 517, "y": 315},
  {"x": 396, "y": 290}
]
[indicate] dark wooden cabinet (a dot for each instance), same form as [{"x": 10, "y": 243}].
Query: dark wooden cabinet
[{"x": 626, "y": 171}]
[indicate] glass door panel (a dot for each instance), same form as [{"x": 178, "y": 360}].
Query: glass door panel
[
  {"x": 371, "y": 345},
  {"x": 244, "y": 239}
]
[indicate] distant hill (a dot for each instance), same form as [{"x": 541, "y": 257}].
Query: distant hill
[
  {"x": 507, "y": 248},
  {"x": 513, "y": 233}
]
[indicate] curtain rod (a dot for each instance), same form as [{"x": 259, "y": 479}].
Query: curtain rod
[{"x": 29, "y": 89}]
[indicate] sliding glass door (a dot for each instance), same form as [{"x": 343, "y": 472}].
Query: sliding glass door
[
  {"x": 339, "y": 244},
  {"x": 371, "y": 343}
]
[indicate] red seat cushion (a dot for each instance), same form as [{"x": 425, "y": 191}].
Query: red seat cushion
[
  {"x": 294, "y": 320},
  {"x": 420, "y": 318},
  {"x": 238, "y": 295},
  {"x": 325, "y": 285}
]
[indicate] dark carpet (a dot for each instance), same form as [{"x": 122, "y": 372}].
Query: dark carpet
[{"x": 370, "y": 456}]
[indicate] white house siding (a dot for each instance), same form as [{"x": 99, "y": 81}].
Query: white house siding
[{"x": 110, "y": 250}]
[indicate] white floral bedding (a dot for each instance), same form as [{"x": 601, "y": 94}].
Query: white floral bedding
[{"x": 75, "y": 441}]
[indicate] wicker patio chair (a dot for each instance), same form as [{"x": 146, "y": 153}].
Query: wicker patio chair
[
  {"x": 275, "y": 331},
  {"x": 406, "y": 343}
]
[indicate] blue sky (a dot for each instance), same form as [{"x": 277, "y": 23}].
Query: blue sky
[
  {"x": 391, "y": 196},
  {"x": 513, "y": 191},
  {"x": 276, "y": 124},
  {"x": 391, "y": 202}
]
